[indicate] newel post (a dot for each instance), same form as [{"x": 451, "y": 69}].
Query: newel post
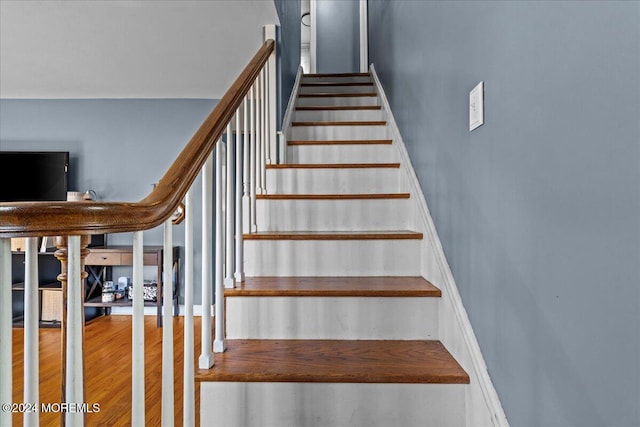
[
  {"x": 271, "y": 99},
  {"x": 72, "y": 324}
]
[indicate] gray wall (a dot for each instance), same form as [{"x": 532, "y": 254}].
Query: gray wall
[
  {"x": 337, "y": 36},
  {"x": 118, "y": 148},
  {"x": 289, "y": 49},
  {"x": 538, "y": 210}
]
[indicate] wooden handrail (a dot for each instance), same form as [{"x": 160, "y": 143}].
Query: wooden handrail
[{"x": 30, "y": 219}]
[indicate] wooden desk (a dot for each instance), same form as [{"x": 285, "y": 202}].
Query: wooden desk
[{"x": 101, "y": 259}]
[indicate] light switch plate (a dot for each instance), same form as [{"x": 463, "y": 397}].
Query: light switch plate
[{"x": 476, "y": 106}]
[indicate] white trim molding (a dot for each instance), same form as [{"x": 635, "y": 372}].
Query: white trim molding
[
  {"x": 364, "y": 39},
  {"x": 483, "y": 405},
  {"x": 152, "y": 311},
  {"x": 313, "y": 6}
]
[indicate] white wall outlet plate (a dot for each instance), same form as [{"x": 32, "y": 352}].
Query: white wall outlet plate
[{"x": 476, "y": 106}]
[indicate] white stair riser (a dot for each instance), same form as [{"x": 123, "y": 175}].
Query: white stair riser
[
  {"x": 337, "y": 89},
  {"x": 340, "y": 318},
  {"x": 332, "y": 257},
  {"x": 336, "y": 181},
  {"x": 258, "y": 404},
  {"x": 307, "y": 79},
  {"x": 306, "y": 133},
  {"x": 378, "y": 153},
  {"x": 334, "y": 215},
  {"x": 337, "y": 115},
  {"x": 355, "y": 100}
]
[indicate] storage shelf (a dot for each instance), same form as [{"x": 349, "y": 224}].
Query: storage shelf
[
  {"x": 48, "y": 267},
  {"x": 42, "y": 287},
  {"x": 98, "y": 263},
  {"x": 47, "y": 252}
]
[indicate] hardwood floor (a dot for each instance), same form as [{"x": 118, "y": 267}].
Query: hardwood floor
[
  {"x": 336, "y": 361},
  {"x": 334, "y": 235},
  {"x": 337, "y": 75},
  {"x": 336, "y": 95},
  {"x": 332, "y": 165},
  {"x": 337, "y": 107},
  {"x": 107, "y": 370},
  {"x": 379, "y": 286},
  {"x": 371, "y": 196},
  {"x": 342, "y": 123},
  {"x": 341, "y": 142},
  {"x": 337, "y": 84}
]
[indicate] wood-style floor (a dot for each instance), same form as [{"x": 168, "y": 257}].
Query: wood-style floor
[
  {"x": 336, "y": 361},
  {"x": 383, "y": 286},
  {"x": 107, "y": 370},
  {"x": 334, "y": 235}
]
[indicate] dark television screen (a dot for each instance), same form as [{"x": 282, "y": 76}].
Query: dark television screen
[{"x": 33, "y": 176}]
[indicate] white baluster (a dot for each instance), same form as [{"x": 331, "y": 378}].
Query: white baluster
[
  {"x": 246, "y": 199},
  {"x": 273, "y": 108},
  {"x": 229, "y": 212},
  {"x": 265, "y": 136},
  {"x": 267, "y": 118},
  {"x": 6, "y": 342},
  {"x": 167, "y": 327},
  {"x": 74, "y": 368},
  {"x": 259, "y": 134},
  {"x": 188, "y": 392},
  {"x": 31, "y": 309},
  {"x": 206, "y": 356},
  {"x": 219, "y": 344},
  {"x": 253, "y": 158},
  {"x": 137, "y": 362},
  {"x": 239, "y": 273}
]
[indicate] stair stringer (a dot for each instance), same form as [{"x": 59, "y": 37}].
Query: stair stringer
[{"x": 483, "y": 407}]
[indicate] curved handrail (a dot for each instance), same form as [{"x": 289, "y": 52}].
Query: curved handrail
[{"x": 30, "y": 219}]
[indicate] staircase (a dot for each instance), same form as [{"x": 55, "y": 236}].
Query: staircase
[{"x": 334, "y": 325}]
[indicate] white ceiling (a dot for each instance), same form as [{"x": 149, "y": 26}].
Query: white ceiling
[{"x": 127, "y": 49}]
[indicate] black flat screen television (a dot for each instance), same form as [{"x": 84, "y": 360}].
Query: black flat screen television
[{"x": 33, "y": 176}]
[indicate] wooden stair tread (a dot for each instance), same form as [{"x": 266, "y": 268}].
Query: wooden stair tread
[
  {"x": 337, "y": 75},
  {"x": 334, "y": 235},
  {"x": 389, "y": 286},
  {"x": 333, "y": 196},
  {"x": 338, "y": 107},
  {"x": 335, "y": 361},
  {"x": 332, "y": 165},
  {"x": 342, "y": 123},
  {"x": 341, "y": 142},
  {"x": 336, "y": 83},
  {"x": 336, "y": 95}
]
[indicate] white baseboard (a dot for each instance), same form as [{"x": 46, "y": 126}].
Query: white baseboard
[
  {"x": 128, "y": 311},
  {"x": 456, "y": 330},
  {"x": 152, "y": 311}
]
